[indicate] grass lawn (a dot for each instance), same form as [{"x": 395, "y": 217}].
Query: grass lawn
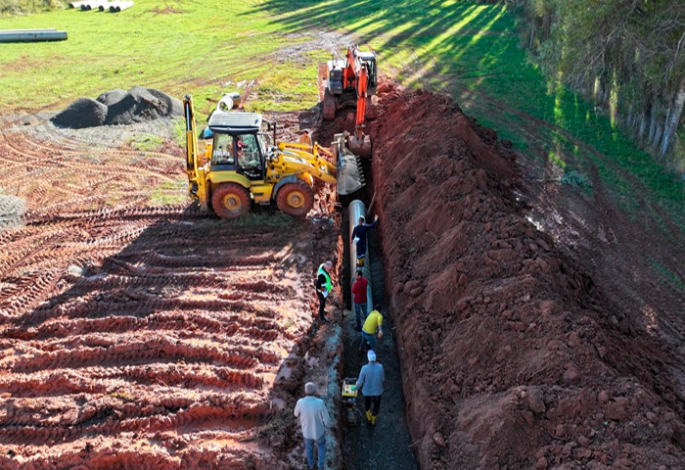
[{"x": 471, "y": 51}]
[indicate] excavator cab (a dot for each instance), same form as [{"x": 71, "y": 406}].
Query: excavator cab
[{"x": 352, "y": 82}]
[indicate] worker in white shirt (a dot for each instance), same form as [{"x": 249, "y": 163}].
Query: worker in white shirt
[{"x": 314, "y": 419}]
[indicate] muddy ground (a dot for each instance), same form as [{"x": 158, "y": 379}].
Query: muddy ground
[
  {"x": 136, "y": 332},
  {"x": 517, "y": 355}
]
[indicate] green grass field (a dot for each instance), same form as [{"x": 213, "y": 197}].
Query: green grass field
[{"x": 471, "y": 51}]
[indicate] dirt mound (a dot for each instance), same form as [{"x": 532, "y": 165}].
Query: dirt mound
[
  {"x": 119, "y": 107},
  {"x": 84, "y": 112},
  {"x": 515, "y": 358},
  {"x": 111, "y": 97}
]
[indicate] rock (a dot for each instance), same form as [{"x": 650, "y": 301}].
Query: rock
[
  {"x": 536, "y": 402},
  {"x": 615, "y": 411},
  {"x": 463, "y": 280},
  {"x": 410, "y": 286},
  {"x": 574, "y": 339},
  {"x": 603, "y": 397},
  {"x": 571, "y": 375},
  {"x": 541, "y": 464},
  {"x": 652, "y": 417},
  {"x": 399, "y": 287},
  {"x": 560, "y": 431},
  {"x": 582, "y": 453},
  {"x": 438, "y": 439},
  {"x": 416, "y": 291}
]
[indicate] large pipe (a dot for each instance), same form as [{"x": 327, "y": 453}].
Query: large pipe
[
  {"x": 105, "y": 6},
  {"x": 121, "y": 6},
  {"x": 33, "y": 36},
  {"x": 113, "y": 7},
  {"x": 355, "y": 210},
  {"x": 77, "y": 4}
]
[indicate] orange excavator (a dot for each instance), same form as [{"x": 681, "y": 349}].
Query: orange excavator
[{"x": 351, "y": 82}]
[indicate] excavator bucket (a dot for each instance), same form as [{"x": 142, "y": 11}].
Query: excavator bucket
[
  {"x": 349, "y": 170},
  {"x": 360, "y": 146}
]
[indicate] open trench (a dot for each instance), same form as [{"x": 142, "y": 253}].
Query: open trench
[{"x": 387, "y": 445}]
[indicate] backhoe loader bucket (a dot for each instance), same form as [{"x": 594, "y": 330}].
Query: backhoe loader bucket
[{"x": 349, "y": 170}]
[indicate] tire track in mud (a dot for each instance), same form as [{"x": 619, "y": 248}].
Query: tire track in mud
[{"x": 131, "y": 334}]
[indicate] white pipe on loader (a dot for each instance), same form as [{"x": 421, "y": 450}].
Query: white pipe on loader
[
  {"x": 355, "y": 210},
  {"x": 124, "y": 6}
]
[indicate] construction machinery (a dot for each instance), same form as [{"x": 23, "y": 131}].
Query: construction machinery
[
  {"x": 351, "y": 82},
  {"x": 245, "y": 164}
]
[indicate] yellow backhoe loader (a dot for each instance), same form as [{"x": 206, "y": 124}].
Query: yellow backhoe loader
[{"x": 240, "y": 167}]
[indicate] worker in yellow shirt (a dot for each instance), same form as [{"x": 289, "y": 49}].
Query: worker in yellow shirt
[{"x": 372, "y": 326}]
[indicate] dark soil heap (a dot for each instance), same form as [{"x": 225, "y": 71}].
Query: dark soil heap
[
  {"x": 511, "y": 356},
  {"x": 119, "y": 107}
]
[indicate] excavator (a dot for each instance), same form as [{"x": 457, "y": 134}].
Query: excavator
[
  {"x": 244, "y": 164},
  {"x": 351, "y": 82}
]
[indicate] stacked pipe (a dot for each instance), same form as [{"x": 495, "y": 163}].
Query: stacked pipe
[
  {"x": 119, "y": 6},
  {"x": 356, "y": 210}
]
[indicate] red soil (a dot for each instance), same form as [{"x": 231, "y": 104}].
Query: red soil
[
  {"x": 512, "y": 356},
  {"x": 136, "y": 335}
]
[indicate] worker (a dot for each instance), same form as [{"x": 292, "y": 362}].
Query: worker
[
  {"x": 359, "y": 299},
  {"x": 371, "y": 380},
  {"x": 314, "y": 420},
  {"x": 372, "y": 326},
  {"x": 305, "y": 139},
  {"x": 359, "y": 237},
  {"x": 323, "y": 288}
]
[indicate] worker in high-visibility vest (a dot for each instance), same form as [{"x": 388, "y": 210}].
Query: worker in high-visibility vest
[{"x": 324, "y": 286}]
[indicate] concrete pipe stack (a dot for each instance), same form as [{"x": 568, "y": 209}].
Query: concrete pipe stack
[{"x": 120, "y": 6}]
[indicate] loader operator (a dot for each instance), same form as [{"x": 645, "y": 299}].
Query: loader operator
[{"x": 323, "y": 288}]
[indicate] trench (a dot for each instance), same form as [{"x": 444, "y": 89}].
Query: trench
[{"x": 387, "y": 445}]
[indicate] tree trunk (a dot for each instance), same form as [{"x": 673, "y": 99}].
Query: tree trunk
[{"x": 673, "y": 118}]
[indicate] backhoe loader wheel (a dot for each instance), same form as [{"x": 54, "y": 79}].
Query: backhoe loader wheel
[
  {"x": 329, "y": 106},
  {"x": 230, "y": 201},
  {"x": 295, "y": 199}
]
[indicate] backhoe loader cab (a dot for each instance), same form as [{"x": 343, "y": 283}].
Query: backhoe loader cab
[{"x": 238, "y": 145}]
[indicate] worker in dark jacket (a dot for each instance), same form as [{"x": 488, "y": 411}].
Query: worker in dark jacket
[
  {"x": 359, "y": 237},
  {"x": 324, "y": 285}
]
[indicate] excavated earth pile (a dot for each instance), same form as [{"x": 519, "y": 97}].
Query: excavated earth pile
[
  {"x": 140, "y": 335},
  {"x": 512, "y": 358},
  {"x": 118, "y": 107}
]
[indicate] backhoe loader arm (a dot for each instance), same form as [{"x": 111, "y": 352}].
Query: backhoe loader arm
[
  {"x": 294, "y": 158},
  {"x": 196, "y": 182}
]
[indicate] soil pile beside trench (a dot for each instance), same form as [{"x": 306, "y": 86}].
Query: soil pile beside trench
[{"x": 511, "y": 356}]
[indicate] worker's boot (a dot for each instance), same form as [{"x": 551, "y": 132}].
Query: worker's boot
[
  {"x": 368, "y": 415},
  {"x": 373, "y": 420}
]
